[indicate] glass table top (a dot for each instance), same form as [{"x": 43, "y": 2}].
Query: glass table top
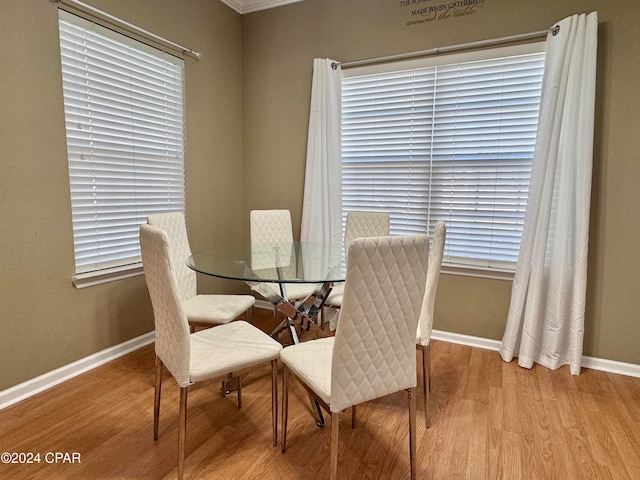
[{"x": 290, "y": 262}]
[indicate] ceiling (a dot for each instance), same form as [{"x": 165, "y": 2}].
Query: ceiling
[{"x": 247, "y": 6}]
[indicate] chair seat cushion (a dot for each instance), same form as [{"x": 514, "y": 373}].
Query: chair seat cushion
[
  {"x": 221, "y": 350},
  {"x": 299, "y": 291},
  {"x": 294, "y": 291},
  {"x": 216, "y": 309},
  {"x": 335, "y": 296},
  {"x": 311, "y": 363}
]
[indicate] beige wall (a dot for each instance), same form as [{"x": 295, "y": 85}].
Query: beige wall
[
  {"x": 279, "y": 46},
  {"x": 254, "y": 77},
  {"x": 45, "y": 322}
]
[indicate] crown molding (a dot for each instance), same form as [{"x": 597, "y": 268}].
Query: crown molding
[{"x": 248, "y": 6}]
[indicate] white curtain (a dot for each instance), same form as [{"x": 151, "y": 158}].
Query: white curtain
[
  {"x": 545, "y": 323},
  {"x": 322, "y": 204}
]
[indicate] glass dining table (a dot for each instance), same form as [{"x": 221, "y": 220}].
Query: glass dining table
[{"x": 274, "y": 269}]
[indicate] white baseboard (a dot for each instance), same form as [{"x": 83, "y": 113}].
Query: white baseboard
[
  {"x": 43, "y": 382},
  {"x": 611, "y": 366},
  {"x": 47, "y": 380},
  {"x": 460, "y": 339}
]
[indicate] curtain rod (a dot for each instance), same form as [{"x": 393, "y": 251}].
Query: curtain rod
[
  {"x": 449, "y": 49},
  {"x": 84, "y": 8}
]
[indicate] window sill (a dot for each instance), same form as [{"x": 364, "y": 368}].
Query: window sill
[
  {"x": 90, "y": 279},
  {"x": 477, "y": 272}
]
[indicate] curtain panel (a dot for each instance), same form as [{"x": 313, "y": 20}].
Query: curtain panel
[
  {"x": 545, "y": 322},
  {"x": 322, "y": 202}
]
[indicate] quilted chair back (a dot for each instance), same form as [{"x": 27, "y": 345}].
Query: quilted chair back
[
  {"x": 174, "y": 225},
  {"x": 172, "y": 329},
  {"x": 425, "y": 323},
  {"x": 365, "y": 224},
  {"x": 271, "y": 226},
  {"x": 375, "y": 341},
  {"x": 271, "y": 239}
]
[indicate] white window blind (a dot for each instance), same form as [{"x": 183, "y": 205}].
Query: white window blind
[
  {"x": 452, "y": 142},
  {"x": 124, "y": 111}
]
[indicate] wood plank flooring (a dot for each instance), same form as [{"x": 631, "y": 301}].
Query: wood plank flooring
[{"x": 491, "y": 420}]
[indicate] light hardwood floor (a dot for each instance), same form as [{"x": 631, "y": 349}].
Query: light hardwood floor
[{"x": 491, "y": 420}]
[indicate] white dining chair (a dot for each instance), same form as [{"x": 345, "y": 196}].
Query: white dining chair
[
  {"x": 220, "y": 352},
  {"x": 425, "y": 322},
  {"x": 373, "y": 352},
  {"x": 274, "y": 227},
  {"x": 358, "y": 225},
  {"x": 201, "y": 309}
]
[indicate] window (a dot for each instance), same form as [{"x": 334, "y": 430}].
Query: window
[
  {"x": 123, "y": 103},
  {"x": 448, "y": 138}
]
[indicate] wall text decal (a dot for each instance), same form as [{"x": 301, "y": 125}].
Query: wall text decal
[{"x": 426, "y": 11}]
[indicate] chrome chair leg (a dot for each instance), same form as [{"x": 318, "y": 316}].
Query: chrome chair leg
[
  {"x": 156, "y": 402},
  {"x": 429, "y": 366},
  {"x": 182, "y": 431},
  {"x": 285, "y": 406},
  {"x": 412, "y": 432},
  {"x": 426, "y": 382},
  {"x": 227, "y": 385},
  {"x": 274, "y": 401},
  {"x": 335, "y": 424}
]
